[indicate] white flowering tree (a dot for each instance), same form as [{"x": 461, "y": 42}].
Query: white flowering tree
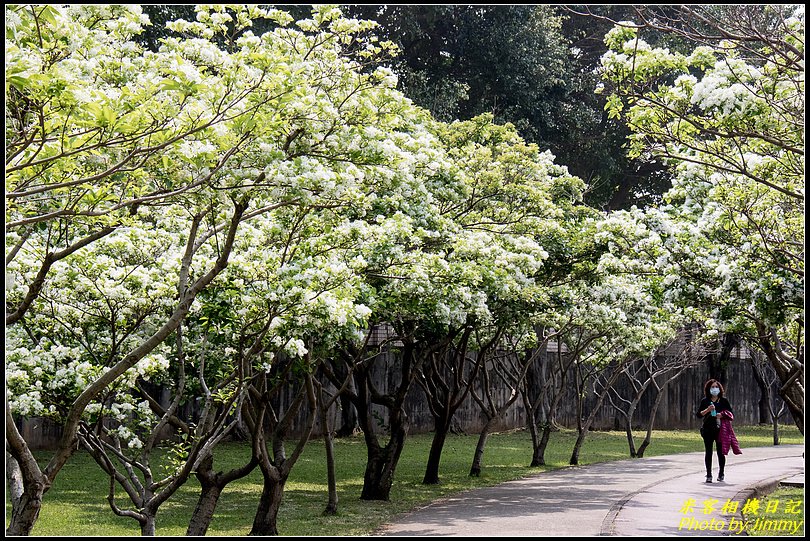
[
  {"x": 123, "y": 440},
  {"x": 655, "y": 371},
  {"x": 574, "y": 254},
  {"x": 397, "y": 271},
  {"x": 440, "y": 274},
  {"x": 728, "y": 116},
  {"x": 623, "y": 321},
  {"x": 610, "y": 313},
  {"x": 283, "y": 119},
  {"x": 297, "y": 297},
  {"x": 520, "y": 216},
  {"x": 129, "y": 331},
  {"x": 95, "y": 130}
]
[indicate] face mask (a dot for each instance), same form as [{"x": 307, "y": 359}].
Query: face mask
[{"x": 715, "y": 391}]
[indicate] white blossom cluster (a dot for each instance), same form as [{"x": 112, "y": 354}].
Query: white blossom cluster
[{"x": 359, "y": 209}]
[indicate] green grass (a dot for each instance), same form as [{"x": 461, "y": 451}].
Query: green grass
[
  {"x": 779, "y": 498},
  {"x": 77, "y": 505}
]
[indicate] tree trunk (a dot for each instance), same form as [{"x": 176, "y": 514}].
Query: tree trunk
[
  {"x": 27, "y": 486},
  {"x": 587, "y": 425},
  {"x": 578, "y": 446},
  {"x": 791, "y": 375},
  {"x": 148, "y": 524},
  {"x": 651, "y": 422},
  {"x": 348, "y": 418},
  {"x": 209, "y": 497},
  {"x": 775, "y": 420},
  {"x": 531, "y": 423},
  {"x": 764, "y": 394},
  {"x": 442, "y": 427},
  {"x": 539, "y": 454},
  {"x": 204, "y": 512},
  {"x": 630, "y": 441},
  {"x": 331, "y": 477},
  {"x": 27, "y": 481},
  {"x": 212, "y": 485},
  {"x": 718, "y": 364},
  {"x": 382, "y": 463},
  {"x": 631, "y": 411},
  {"x": 265, "y": 521},
  {"x": 24, "y": 515},
  {"x": 478, "y": 457}
]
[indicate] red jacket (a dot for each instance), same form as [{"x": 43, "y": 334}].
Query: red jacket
[{"x": 726, "y": 436}]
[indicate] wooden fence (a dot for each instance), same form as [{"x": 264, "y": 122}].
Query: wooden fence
[{"x": 677, "y": 409}]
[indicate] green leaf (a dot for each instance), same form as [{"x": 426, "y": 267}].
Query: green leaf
[
  {"x": 170, "y": 84},
  {"x": 18, "y": 82}
]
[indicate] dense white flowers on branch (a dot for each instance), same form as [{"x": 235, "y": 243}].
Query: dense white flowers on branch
[{"x": 729, "y": 118}]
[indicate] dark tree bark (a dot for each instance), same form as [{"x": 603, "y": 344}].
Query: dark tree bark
[
  {"x": 348, "y": 418},
  {"x": 718, "y": 363},
  {"x": 441, "y": 429},
  {"x": 331, "y": 475},
  {"x": 536, "y": 394},
  {"x": 323, "y": 414},
  {"x": 789, "y": 369},
  {"x": 478, "y": 456},
  {"x": 274, "y": 463},
  {"x": 265, "y": 520},
  {"x": 381, "y": 465},
  {"x": 764, "y": 396},
  {"x": 212, "y": 484},
  {"x": 148, "y": 525},
  {"x": 586, "y": 426},
  {"x": 382, "y": 460},
  {"x": 204, "y": 510},
  {"x": 505, "y": 371},
  {"x": 348, "y": 413},
  {"x": 539, "y": 452},
  {"x": 446, "y": 378},
  {"x": 654, "y": 410},
  {"x": 650, "y": 423},
  {"x": 767, "y": 379}
]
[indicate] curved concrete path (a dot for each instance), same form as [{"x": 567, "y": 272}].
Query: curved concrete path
[{"x": 628, "y": 498}]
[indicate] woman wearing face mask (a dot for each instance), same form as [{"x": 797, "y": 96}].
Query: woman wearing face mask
[{"x": 712, "y": 408}]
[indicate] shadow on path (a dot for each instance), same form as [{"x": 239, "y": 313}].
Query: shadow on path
[{"x": 627, "y": 497}]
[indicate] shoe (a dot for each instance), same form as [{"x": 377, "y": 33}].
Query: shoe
[
  {"x": 708, "y": 478},
  {"x": 721, "y": 477}
]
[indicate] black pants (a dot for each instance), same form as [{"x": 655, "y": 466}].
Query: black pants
[{"x": 710, "y": 437}]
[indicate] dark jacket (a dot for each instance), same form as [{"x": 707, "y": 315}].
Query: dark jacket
[{"x": 710, "y": 427}]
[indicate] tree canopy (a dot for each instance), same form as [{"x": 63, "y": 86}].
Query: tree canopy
[{"x": 227, "y": 203}]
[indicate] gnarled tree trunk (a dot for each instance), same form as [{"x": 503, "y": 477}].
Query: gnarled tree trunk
[
  {"x": 441, "y": 428},
  {"x": 265, "y": 521},
  {"x": 381, "y": 465},
  {"x": 790, "y": 371},
  {"x": 212, "y": 484}
]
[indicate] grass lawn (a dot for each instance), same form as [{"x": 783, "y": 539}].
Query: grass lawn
[
  {"x": 788, "y": 507},
  {"x": 77, "y": 505}
]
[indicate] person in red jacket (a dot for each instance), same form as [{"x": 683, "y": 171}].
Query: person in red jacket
[{"x": 713, "y": 406}]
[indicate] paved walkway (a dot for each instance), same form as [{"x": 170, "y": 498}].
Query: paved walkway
[{"x": 628, "y": 498}]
